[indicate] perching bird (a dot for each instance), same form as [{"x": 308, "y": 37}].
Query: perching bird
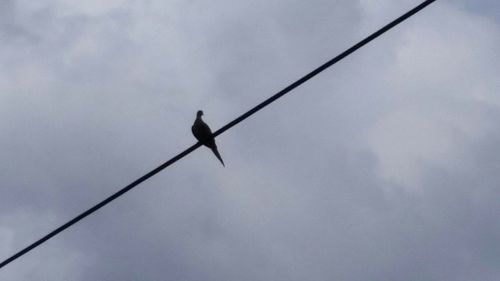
[{"x": 203, "y": 134}]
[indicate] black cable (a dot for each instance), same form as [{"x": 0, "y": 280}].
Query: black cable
[{"x": 220, "y": 131}]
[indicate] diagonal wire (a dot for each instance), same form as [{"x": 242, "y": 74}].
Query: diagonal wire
[{"x": 220, "y": 131}]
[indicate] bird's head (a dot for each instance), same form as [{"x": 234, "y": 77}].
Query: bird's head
[{"x": 199, "y": 113}]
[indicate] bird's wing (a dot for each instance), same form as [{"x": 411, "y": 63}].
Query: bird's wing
[{"x": 201, "y": 131}]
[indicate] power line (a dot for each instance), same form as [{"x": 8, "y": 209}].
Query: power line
[{"x": 220, "y": 131}]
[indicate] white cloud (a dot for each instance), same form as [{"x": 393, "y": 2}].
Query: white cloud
[{"x": 442, "y": 83}]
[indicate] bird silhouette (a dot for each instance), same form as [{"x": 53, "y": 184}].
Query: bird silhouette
[{"x": 203, "y": 134}]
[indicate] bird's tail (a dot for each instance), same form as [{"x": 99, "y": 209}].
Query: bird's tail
[{"x": 216, "y": 152}]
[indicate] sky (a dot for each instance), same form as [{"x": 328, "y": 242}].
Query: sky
[{"x": 384, "y": 167}]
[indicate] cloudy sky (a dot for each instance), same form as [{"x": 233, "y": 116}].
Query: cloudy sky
[{"x": 385, "y": 167}]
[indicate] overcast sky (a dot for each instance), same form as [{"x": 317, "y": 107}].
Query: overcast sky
[{"x": 385, "y": 167}]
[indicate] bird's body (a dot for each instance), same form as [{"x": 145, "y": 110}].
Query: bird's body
[{"x": 203, "y": 134}]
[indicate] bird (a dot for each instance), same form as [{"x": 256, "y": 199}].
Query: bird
[{"x": 203, "y": 134}]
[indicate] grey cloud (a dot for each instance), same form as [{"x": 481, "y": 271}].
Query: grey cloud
[{"x": 110, "y": 90}]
